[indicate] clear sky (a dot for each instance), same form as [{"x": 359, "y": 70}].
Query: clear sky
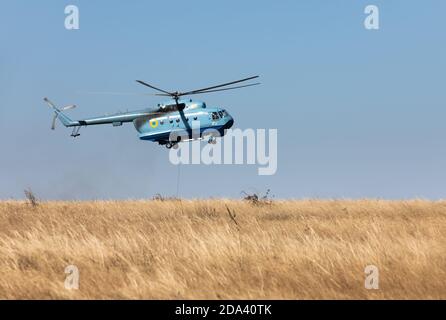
[{"x": 359, "y": 113}]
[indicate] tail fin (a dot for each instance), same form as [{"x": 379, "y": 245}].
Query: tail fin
[{"x": 58, "y": 114}]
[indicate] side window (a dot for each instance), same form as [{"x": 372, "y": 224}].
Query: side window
[{"x": 215, "y": 116}]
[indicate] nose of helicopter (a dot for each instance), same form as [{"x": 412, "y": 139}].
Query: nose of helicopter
[{"x": 229, "y": 124}]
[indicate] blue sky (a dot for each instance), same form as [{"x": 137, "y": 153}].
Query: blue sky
[{"x": 359, "y": 113}]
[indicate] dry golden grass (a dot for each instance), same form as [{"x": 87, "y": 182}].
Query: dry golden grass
[{"x": 308, "y": 249}]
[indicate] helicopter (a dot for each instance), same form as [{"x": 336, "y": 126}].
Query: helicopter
[{"x": 168, "y": 121}]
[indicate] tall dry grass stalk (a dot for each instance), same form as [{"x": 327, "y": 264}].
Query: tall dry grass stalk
[{"x": 223, "y": 249}]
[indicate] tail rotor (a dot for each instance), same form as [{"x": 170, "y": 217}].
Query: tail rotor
[
  {"x": 53, "y": 124},
  {"x": 57, "y": 112}
]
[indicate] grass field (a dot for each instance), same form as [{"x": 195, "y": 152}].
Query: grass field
[{"x": 307, "y": 249}]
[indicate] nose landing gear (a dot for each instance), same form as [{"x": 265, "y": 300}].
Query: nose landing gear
[
  {"x": 212, "y": 140},
  {"x": 171, "y": 145}
]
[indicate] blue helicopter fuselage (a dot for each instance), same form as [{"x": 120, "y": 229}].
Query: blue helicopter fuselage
[
  {"x": 167, "y": 124},
  {"x": 195, "y": 117}
]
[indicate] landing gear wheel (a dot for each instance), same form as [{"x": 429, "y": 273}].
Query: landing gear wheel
[
  {"x": 171, "y": 145},
  {"x": 212, "y": 140}
]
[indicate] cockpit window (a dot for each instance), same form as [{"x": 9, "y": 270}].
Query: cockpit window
[
  {"x": 225, "y": 114},
  {"x": 215, "y": 116},
  {"x": 220, "y": 114}
]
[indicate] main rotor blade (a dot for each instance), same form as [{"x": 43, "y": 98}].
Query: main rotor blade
[
  {"x": 224, "y": 89},
  {"x": 150, "y": 86},
  {"x": 218, "y": 86},
  {"x": 118, "y": 93}
]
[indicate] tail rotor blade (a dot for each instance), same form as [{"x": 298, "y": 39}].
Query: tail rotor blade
[
  {"x": 53, "y": 125},
  {"x": 72, "y": 106},
  {"x": 50, "y": 103}
]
